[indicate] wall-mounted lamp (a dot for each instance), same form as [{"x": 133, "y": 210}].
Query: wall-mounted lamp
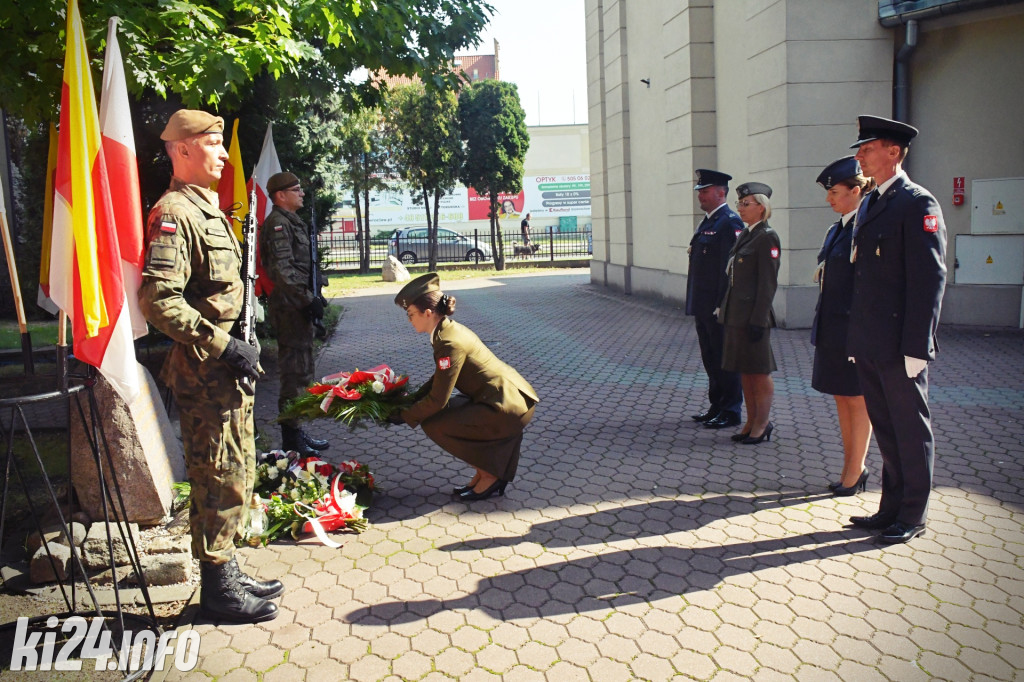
[{"x": 646, "y": 81}]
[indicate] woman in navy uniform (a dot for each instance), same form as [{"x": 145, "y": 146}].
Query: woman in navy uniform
[
  {"x": 833, "y": 373},
  {"x": 483, "y": 426},
  {"x": 747, "y": 310}
]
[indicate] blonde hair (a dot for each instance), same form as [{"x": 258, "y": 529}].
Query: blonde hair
[{"x": 763, "y": 200}]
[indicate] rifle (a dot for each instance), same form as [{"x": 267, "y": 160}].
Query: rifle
[
  {"x": 247, "y": 319},
  {"x": 315, "y": 279}
]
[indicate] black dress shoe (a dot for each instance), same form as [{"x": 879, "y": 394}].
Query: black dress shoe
[
  {"x": 264, "y": 589},
  {"x": 706, "y": 415},
  {"x": 900, "y": 532},
  {"x": 874, "y": 522},
  {"x": 315, "y": 443},
  {"x": 496, "y": 488},
  {"x": 723, "y": 420}
]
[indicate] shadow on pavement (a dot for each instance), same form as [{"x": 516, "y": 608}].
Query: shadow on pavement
[
  {"x": 645, "y": 520},
  {"x": 619, "y": 578}
]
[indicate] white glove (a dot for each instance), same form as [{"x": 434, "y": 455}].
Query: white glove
[
  {"x": 717, "y": 310},
  {"x": 914, "y": 366},
  {"x": 852, "y": 359}
]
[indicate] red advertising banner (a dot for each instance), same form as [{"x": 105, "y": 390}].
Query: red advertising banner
[{"x": 509, "y": 205}]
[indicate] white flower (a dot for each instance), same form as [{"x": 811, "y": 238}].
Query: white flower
[
  {"x": 282, "y": 463},
  {"x": 347, "y": 501},
  {"x": 378, "y": 387},
  {"x": 272, "y": 474}
]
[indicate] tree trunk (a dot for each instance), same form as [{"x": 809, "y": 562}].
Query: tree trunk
[
  {"x": 364, "y": 265},
  {"x": 361, "y": 246},
  {"x": 431, "y": 233},
  {"x": 497, "y": 243},
  {"x": 437, "y": 200}
]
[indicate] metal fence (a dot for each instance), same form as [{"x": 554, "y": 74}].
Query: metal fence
[{"x": 340, "y": 250}]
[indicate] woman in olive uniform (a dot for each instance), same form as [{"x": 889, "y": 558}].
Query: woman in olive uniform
[
  {"x": 834, "y": 374},
  {"x": 746, "y": 310},
  {"x": 484, "y": 425}
]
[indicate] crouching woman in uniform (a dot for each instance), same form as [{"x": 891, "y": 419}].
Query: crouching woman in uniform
[{"x": 483, "y": 426}]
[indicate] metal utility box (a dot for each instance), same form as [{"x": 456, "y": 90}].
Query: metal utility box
[
  {"x": 989, "y": 259},
  {"x": 997, "y": 206}
]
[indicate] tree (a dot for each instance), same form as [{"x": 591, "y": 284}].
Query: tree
[
  {"x": 426, "y": 147},
  {"x": 493, "y": 124},
  {"x": 363, "y": 155},
  {"x": 208, "y": 52}
]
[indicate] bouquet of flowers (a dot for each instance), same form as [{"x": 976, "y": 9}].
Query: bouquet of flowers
[
  {"x": 353, "y": 397},
  {"x": 297, "y": 495}
]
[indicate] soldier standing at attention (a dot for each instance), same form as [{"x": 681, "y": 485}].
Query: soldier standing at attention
[
  {"x": 706, "y": 282},
  {"x": 192, "y": 292},
  {"x": 293, "y": 305},
  {"x": 899, "y": 274}
]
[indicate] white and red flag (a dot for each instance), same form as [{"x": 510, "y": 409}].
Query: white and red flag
[
  {"x": 123, "y": 173},
  {"x": 86, "y": 279},
  {"x": 267, "y": 166}
]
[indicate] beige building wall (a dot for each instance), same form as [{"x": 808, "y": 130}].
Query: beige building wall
[{"x": 769, "y": 90}]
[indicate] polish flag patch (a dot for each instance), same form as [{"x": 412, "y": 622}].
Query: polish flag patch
[
  {"x": 775, "y": 252},
  {"x": 168, "y": 227},
  {"x": 278, "y": 228},
  {"x": 444, "y": 363},
  {"x": 931, "y": 223}
]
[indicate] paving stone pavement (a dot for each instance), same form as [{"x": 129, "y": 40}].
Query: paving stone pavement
[{"x": 634, "y": 543}]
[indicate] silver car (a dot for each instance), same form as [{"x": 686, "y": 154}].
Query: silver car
[{"x": 410, "y": 246}]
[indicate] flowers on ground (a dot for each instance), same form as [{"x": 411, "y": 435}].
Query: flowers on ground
[
  {"x": 297, "y": 495},
  {"x": 353, "y": 397}
]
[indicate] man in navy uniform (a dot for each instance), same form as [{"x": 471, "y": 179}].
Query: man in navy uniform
[
  {"x": 706, "y": 282},
  {"x": 899, "y": 265}
]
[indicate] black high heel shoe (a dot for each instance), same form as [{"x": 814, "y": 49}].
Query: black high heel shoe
[
  {"x": 767, "y": 435},
  {"x": 462, "y": 489},
  {"x": 833, "y": 486},
  {"x": 737, "y": 437},
  {"x": 496, "y": 488},
  {"x": 858, "y": 486}
]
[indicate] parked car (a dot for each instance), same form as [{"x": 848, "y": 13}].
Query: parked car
[{"x": 410, "y": 246}]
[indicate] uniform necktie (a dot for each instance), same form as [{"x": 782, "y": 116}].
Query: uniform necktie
[{"x": 872, "y": 199}]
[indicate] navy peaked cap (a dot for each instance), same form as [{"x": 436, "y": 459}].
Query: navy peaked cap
[
  {"x": 711, "y": 178},
  {"x": 875, "y": 127}
]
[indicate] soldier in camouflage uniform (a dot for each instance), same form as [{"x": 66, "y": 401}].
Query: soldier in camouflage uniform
[
  {"x": 292, "y": 305},
  {"x": 192, "y": 292}
]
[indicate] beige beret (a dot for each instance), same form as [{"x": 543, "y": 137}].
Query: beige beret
[
  {"x": 185, "y": 123},
  {"x": 412, "y": 291},
  {"x": 280, "y": 181}
]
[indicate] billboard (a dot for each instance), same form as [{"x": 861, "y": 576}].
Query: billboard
[
  {"x": 396, "y": 207},
  {"x": 557, "y": 195},
  {"x": 510, "y": 206}
]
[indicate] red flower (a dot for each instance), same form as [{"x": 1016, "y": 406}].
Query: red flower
[{"x": 319, "y": 389}]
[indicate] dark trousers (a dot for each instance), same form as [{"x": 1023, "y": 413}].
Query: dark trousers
[
  {"x": 898, "y": 409},
  {"x": 724, "y": 390}
]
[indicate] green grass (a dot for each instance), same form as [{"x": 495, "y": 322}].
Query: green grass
[
  {"x": 42, "y": 333},
  {"x": 342, "y": 284}
]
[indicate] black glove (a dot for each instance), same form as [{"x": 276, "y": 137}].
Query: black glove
[
  {"x": 315, "y": 309},
  {"x": 395, "y": 418},
  {"x": 755, "y": 333},
  {"x": 242, "y": 359}
]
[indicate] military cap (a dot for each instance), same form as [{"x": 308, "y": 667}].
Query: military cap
[
  {"x": 185, "y": 123},
  {"x": 875, "y": 127},
  {"x": 748, "y": 188},
  {"x": 837, "y": 171},
  {"x": 412, "y": 291},
  {"x": 280, "y": 181},
  {"x": 711, "y": 178}
]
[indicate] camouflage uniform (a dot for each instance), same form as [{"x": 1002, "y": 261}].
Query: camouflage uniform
[
  {"x": 192, "y": 292},
  {"x": 285, "y": 252}
]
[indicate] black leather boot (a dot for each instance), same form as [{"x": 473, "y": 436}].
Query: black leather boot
[
  {"x": 264, "y": 589},
  {"x": 291, "y": 439},
  {"x": 315, "y": 443},
  {"x": 222, "y": 598}
]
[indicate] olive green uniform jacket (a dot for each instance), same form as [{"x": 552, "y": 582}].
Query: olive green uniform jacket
[
  {"x": 192, "y": 292},
  {"x": 484, "y": 425},
  {"x": 753, "y": 271}
]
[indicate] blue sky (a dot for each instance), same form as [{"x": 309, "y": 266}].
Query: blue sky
[{"x": 543, "y": 51}]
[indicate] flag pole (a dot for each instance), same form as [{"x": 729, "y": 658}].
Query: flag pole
[
  {"x": 62, "y": 352},
  {"x": 19, "y": 305}
]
